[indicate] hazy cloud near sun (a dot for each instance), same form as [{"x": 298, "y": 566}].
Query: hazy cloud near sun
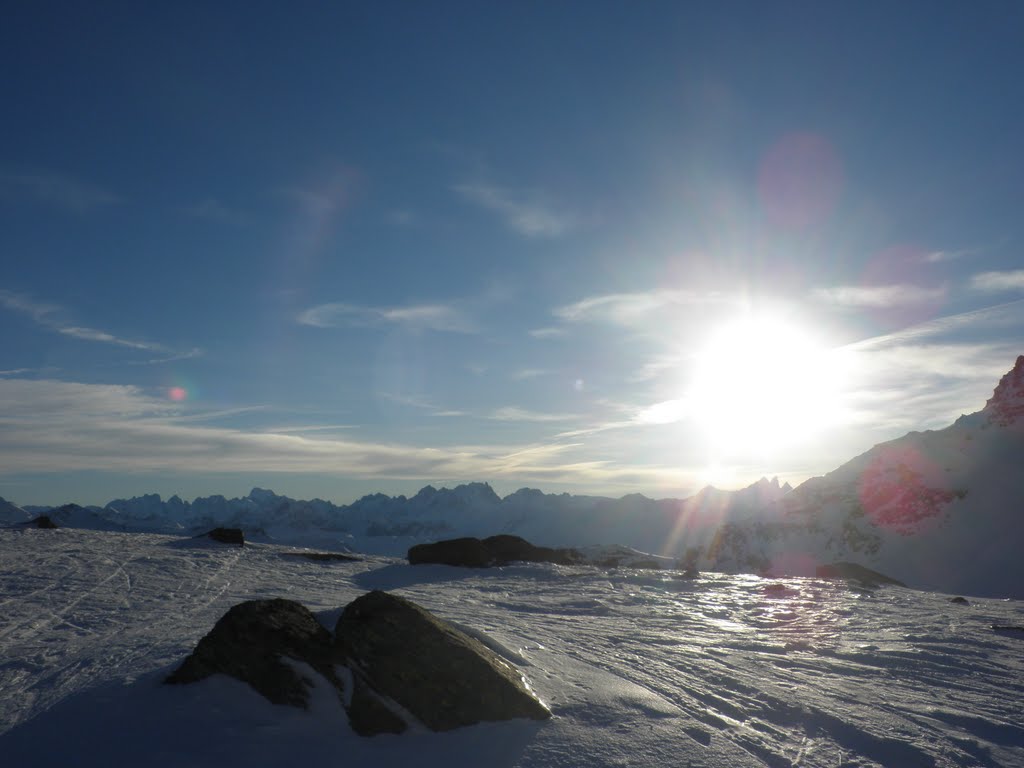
[
  {"x": 417, "y": 317},
  {"x": 633, "y": 309},
  {"x": 879, "y": 296},
  {"x": 926, "y": 375}
]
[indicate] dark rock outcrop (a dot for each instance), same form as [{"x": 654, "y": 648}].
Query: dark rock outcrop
[
  {"x": 854, "y": 572},
  {"x": 248, "y": 643},
  {"x": 227, "y": 536},
  {"x": 323, "y": 557},
  {"x": 959, "y": 600},
  {"x": 43, "y": 521},
  {"x": 1006, "y": 406},
  {"x": 470, "y": 552},
  {"x": 398, "y": 652}
]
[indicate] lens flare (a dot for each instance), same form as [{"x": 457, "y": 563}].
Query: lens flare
[{"x": 177, "y": 394}]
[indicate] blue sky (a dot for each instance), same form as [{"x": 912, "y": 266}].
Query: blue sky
[{"x": 601, "y": 247}]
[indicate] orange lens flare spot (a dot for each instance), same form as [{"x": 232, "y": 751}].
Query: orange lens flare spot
[{"x": 177, "y": 394}]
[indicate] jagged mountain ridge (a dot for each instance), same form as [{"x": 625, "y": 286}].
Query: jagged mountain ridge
[{"x": 389, "y": 524}]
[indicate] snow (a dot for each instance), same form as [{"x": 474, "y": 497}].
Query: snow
[{"x": 639, "y": 668}]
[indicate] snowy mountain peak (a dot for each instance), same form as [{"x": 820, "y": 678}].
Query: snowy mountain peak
[
  {"x": 262, "y": 495},
  {"x": 12, "y": 513},
  {"x": 1006, "y": 406}
]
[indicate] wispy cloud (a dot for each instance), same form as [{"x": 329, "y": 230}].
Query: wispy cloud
[
  {"x": 524, "y": 212},
  {"x": 420, "y": 317},
  {"x": 512, "y": 413},
  {"x": 57, "y": 190},
  {"x": 92, "y": 334},
  {"x": 992, "y": 282},
  {"x": 665, "y": 412},
  {"x": 48, "y": 426},
  {"x": 312, "y": 428},
  {"x": 926, "y": 375},
  {"x": 936, "y": 257},
  {"x": 547, "y": 333},
  {"x": 879, "y": 296},
  {"x": 530, "y": 373},
  {"x": 55, "y": 318},
  {"x": 631, "y": 309},
  {"x": 174, "y": 357},
  {"x": 422, "y": 403},
  {"x": 992, "y": 320}
]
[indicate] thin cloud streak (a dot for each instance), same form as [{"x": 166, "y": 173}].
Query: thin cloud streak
[
  {"x": 1012, "y": 280},
  {"x": 522, "y": 212},
  {"x": 512, "y": 413},
  {"x": 630, "y": 309},
  {"x": 547, "y": 333},
  {"x": 879, "y": 296},
  {"x": 52, "y": 317},
  {"x": 418, "y": 317},
  {"x": 92, "y": 334},
  {"x": 998, "y": 316}
]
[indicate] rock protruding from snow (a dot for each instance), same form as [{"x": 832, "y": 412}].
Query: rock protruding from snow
[
  {"x": 249, "y": 643},
  {"x": 855, "y": 572},
  {"x": 227, "y": 536},
  {"x": 401, "y": 654},
  {"x": 470, "y": 552},
  {"x": 1006, "y": 406},
  {"x": 43, "y": 521}
]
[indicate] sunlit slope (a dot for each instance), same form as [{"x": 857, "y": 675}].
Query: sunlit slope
[{"x": 938, "y": 510}]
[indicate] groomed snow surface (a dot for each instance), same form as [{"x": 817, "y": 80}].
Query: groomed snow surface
[{"x": 640, "y": 668}]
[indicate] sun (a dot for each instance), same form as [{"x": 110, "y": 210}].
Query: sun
[{"x": 763, "y": 381}]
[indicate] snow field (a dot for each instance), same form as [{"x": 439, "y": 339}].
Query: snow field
[{"x": 640, "y": 668}]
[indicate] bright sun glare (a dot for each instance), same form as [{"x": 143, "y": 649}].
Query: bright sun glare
[{"x": 763, "y": 382}]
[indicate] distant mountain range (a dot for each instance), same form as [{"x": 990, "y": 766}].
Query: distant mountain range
[{"x": 939, "y": 510}]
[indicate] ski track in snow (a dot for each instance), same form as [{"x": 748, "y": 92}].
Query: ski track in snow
[{"x": 639, "y": 667}]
